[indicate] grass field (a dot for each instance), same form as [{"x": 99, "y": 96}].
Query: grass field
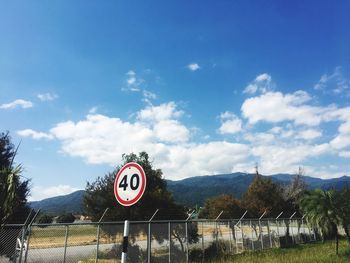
[{"x": 305, "y": 253}]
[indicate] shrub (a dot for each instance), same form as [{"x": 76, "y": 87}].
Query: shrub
[
  {"x": 44, "y": 219},
  {"x": 65, "y": 218}
]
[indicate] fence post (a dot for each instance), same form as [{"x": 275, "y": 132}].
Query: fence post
[
  {"x": 29, "y": 234},
  {"x": 98, "y": 234},
  {"x": 65, "y": 244},
  {"x": 278, "y": 229},
  {"x": 186, "y": 233},
  {"x": 242, "y": 234},
  {"x": 302, "y": 234},
  {"x": 149, "y": 237},
  {"x": 291, "y": 227},
  {"x": 260, "y": 230},
  {"x": 169, "y": 234},
  {"x": 230, "y": 235},
  {"x": 217, "y": 232},
  {"x": 308, "y": 228},
  {"x": 269, "y": 230},
  {"x": 251, "y": 229},
  {"x": 24, "y": 229},
  {"x": 203, "y": 242},
  {"x": 125, "y": 241}
]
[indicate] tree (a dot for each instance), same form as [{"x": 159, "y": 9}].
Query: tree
[
  {"x": 13, "y": 191},
  {"x": 344, "y": 211},
  {"x": 13, "y": 196},
  {"x": 44, "y": 219},
  {"x": 65, "y": 218},
  {"x": 293, "y": 192},
  {"x": 230, "y": 206},
  {"x": 323, "y": 209},
  {"x": 100, "y": 195},
  {"x": 263, "y": 195}
]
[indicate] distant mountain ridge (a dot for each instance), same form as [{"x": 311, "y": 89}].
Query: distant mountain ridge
[
  {"x": 71, "y": 203},
  {"x": 194, "y": 190}
]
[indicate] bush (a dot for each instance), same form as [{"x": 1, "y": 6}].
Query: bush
[
  {"x": 65, "y": 218},
  {"x": 44, "y": 219}
]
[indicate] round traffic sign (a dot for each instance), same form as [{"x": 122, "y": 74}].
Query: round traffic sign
[{"x": 130, "y": 184}]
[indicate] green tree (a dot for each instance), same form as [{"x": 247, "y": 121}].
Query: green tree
[
  {"x": 13, "y": 190},
  {"x": 13, "y": 196},
  {"x": 263, "y": 195},
  {"x": 344, "y": 211},
  {"x": 44, "y": 219},
  {"x": 65, "y": 218},
  {"x": 230, "y": 206},
  {"x": 100, "y": 195},
  {"x": 323, "y": 209}
]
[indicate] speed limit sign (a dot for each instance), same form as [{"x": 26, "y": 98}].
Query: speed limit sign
[{"x": 130, "y": 184}]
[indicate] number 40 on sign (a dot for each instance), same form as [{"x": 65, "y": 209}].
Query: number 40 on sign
[{"x": 130, "y": 184}]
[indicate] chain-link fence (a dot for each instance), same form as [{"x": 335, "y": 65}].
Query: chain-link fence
[{"x": 149, "y": 241}]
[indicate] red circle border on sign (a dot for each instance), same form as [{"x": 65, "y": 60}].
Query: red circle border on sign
[{"x": 143, "y": 185}]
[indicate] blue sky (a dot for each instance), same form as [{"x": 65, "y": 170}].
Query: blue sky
[{"x": 204, "y": 87}]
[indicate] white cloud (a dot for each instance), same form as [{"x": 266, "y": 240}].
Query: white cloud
[
  {"x": 202, "y": 159},
  {"x": 345, "y": 154},
  {"x": 34, "y": 134},
  {"x": 171, "y": 131},
  {"x": 335, "y": 82},
  {"x": 148, "y": 96},
  {"x": 17, "y": 103},
  {"x": 263, "y": 77},
  {"x": 230, "y": 123},
  {"x": 309, "y": 134},
  {"x": 47, "y": 97},
  {"x": 41, "y": 192},
  {"x": 100, "y": 139},
  {"x": 262, "y": 84},
  {"x": 341, "y": 141},
  {"x": 164, "y": 111},
  {"x": 136, "y": 84},
  {"x": 284, "y": 158},
  {"x": 275, "y": 107},
  {"x": 133, "y": 82},
  {"x": 193, "y": 67},
  {"x": 163, "y": 121},
  {"x": 259, "y": 138},
  {"x": 93, "y": 110}
]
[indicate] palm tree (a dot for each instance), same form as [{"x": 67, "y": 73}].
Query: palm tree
[
  {"x": 9, "y": 183},
  {"x": 344, "y": 210},
  {"x": 321, "y": 208}
]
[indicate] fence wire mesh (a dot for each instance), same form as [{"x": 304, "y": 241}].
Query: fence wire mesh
[{"x": 156, "y": 241}]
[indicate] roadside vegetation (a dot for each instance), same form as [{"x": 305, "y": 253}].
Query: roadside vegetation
[{"x": 306, "y": 253}]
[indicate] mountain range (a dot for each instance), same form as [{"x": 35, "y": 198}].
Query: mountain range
[{"x": 193, "y": 191}]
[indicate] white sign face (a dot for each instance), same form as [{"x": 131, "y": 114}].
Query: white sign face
[{"x": 130, "y": 184}]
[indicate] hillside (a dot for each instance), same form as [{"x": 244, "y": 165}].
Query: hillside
[
  {"x": 71, "y": 203},
  {"x": 195, "y": 190}
]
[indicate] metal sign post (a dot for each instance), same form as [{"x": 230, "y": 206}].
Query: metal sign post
[
  {"x": 129, "y": 186},
  {"x": 125, "y": 241}
]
